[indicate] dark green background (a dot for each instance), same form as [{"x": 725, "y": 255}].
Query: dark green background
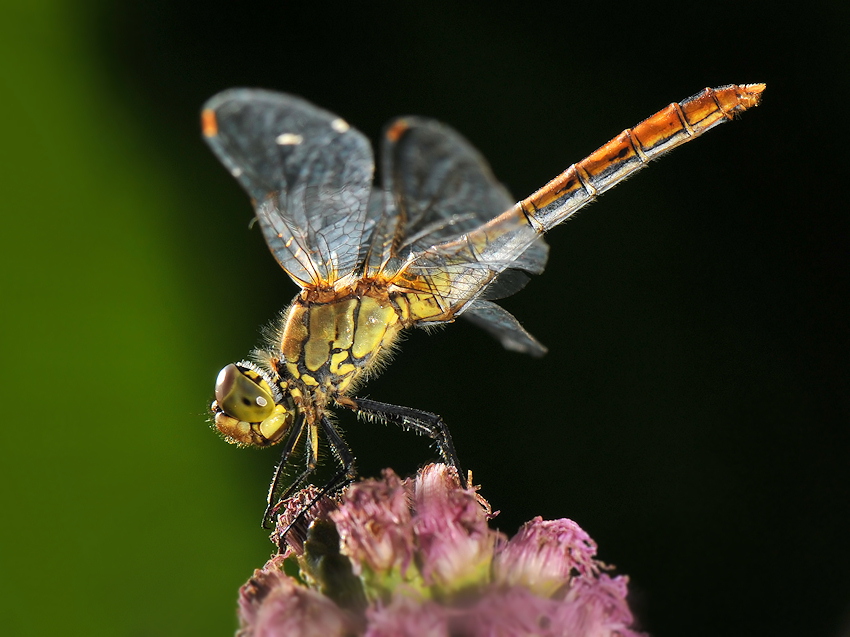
[{"x": 692, "y": 414}]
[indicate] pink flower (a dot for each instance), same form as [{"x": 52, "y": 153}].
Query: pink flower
[
  {"x": 374, "y": 524},
  {"x": 596, "y": 607},
  {"x": 416, "y": 557},
  {"x": 408, "y": 617},
  {"x": 293, "y": 519},
  {"x": 544, "y": 555},
  {"x": 455, "y": 544},
  {"x": 272, "y": 604}
]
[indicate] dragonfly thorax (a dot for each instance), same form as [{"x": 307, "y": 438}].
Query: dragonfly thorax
[{"x": 325, "y": 347}]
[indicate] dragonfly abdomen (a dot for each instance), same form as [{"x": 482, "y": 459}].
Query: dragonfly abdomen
[
  {"x": 632, "y": 149},
  {"x": 456, "y": 271}
]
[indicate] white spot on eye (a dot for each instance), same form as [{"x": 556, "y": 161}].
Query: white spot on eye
[
  {"x": 261, "y": 402},
  {"x": 289, "y": 139},
  {"x": 340, "y": 125},
  {"x": 236, "y": 172}
]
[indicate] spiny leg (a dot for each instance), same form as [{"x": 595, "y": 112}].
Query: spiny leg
[
  {"x": 342, "y": 452},
  {"x": 276, "y": 491},
  {"x": 422, "y": 422},
  {"x": 343, "y": 455},
  {"x": 341, "y": 478}
]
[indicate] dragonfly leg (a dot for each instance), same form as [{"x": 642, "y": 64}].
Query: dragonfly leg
[
  {"x": 341, "y": 450},
  {"x": 422, "y": 422},
  {"x": 277, "y": 493},
  {"x": 341, "y": 478}
]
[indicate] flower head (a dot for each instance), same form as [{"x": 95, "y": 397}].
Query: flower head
[
  {"x": 455, "y": 544},
  {"x": 544, "y": 555},
  {"x": 416, "y": 557},
  {"x": 272, "y": 603},
  {"x": 374, "y": 524},
  {"x": 295, "y": 515}
]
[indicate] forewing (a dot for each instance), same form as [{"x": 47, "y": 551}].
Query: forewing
[{"x": 309, "y": 175}]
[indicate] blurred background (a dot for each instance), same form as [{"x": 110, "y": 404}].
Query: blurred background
[{"x": 692, "y": 414}]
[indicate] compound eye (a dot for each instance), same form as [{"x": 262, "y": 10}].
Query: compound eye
[{"x": 243, "y": 397}]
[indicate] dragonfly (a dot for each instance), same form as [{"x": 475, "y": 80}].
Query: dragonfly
[{"x": 436, "y": 239}]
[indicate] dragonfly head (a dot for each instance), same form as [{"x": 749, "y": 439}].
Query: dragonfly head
[{"x": 249, "y": 409}]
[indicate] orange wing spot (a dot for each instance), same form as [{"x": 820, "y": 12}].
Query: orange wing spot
[
  {"x": 209, "y": 125},
  {"x": 397, "y": 130}
]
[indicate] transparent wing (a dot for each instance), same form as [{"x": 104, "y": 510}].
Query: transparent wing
[
  {"x": 477, "y": 264},
  {"x": 308, "y": 173},
  {"x": 436, "y": 188},
  {"x": 504, "y": 327},
  {"x": 446, "y": 195},
  {"x": 438, "y": 183}
]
